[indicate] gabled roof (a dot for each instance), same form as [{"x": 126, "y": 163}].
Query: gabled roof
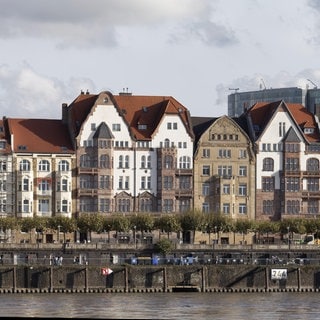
[
  {"x": 39, "y": 135},
  {"x": 200, "y": 125},
  {"x": 142, "y": 114},
  {"x": 103, "y": 132},
  {"x": 261, "y": 113},
  {"x": 292, "y": 136}
]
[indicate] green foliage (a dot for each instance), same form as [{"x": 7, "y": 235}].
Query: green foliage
[{"x": 164, "y": 246}]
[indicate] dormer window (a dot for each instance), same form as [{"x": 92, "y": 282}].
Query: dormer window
[
  {"x": 142, "y": 126},
  {"x": 22, "y": 147},
  {"x": 308, "y": 130}
]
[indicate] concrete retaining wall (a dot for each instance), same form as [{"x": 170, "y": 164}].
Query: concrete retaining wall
[{"x": 127, "y": 278}]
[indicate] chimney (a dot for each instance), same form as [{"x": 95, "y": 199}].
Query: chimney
[{"x": 65, "y": 113}]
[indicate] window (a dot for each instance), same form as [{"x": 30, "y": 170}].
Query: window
[
  {"x": 184, "y": 205},
  {"x": 43, "y": 185},
  {"x": 43, "y": 205},
  {"x": 206, "y": 153},
  {"x": 168, "y": 162},
  {"x": 293, "y": 206},
  {"x": 126, "y": 162},
  {"x": 3, "y": 185},
  {"x": 104, "y": 161},
  {"x": 313, "y": 206},
  {"x": 146, "y": 205},
  {"x": 24, "y": 165},
  {"x": 63, "y": 165},
  {"x": 205, "y": 189},
  {"x": 86, "y": 182},
  {"x": 267, "y": 184},
  {"x": 167, "y": 205},
  {"x": 167, "y": 143},
  {"x": 116, "y": 127},
  {"x": 267, "y": 207},
  {"x": 292, "y": 164},
  {"x": 64, "y": 185},
  {"x": 124, "y": 182},
  {"x": 184, "y": 162},
  {"x": 124, "y": 205},
  {"x": 44, "y": 165},
  {"x": 293, "y": 184},
  {"x": 184, "y": 182},
  {"x": 3, "y": 206},
  {"x": 242, "y": 153},
  {"x": 205, "y": 207},
  {"x": 243, "y": 171},
  {"x": 25, "y": 184},
  {"x": 143, "y": 183},
  {"x": 172, "y": 125},
  {"x": 167, "y": 182},
  {"x": 226, "y": 208},
  {"x": 104, "y": 205},
  {"x": 292, "y": 147},
  {"x": 226, "y": 189},
  {"x": 282, "y": 129},
  {"x": 3, "y": 166},
  {"x": 93, "y": 127},
  {"x": 143, "y": 161},
  {"x": 120, "y": 161},
  {"x": 104, "y": 182},
  {"x": 268, "y": 164},
  {"x": 149, "y": 162},
  {"x": 242, "y": 208},
  {"x": 312, "y": 184},
  {"x": 225, "y": 171},
  {"x": 313, "y": 164},
  {"x": 206, "y": 170},
  {"x": 2, "y": 144},
  {"x": 224, "y": 153},
  {"x": 26, "y": 206},
  {"x": 64, "y": 206},
  {"x": 242, "y": 189}
]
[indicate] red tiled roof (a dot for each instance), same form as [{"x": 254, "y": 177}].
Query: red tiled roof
[
  {"x": 39, "y": 135},
  {"x": 262, "y": 112},
  {"x": 136, "y": 110}
]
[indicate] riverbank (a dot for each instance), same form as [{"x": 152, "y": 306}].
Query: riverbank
[{"x": 133, "y": 279}]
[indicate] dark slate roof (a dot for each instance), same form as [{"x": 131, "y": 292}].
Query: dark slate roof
[
  {"x": 103, "y": 132},
  {"x": 292, "y": 136}
]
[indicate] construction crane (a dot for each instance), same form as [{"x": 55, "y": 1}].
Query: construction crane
[
  {"x": 315, "y": 86},
  {"x": 264, "y": 85}
]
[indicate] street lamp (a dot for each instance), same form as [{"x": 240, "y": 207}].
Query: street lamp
[
  {"x": 134, "y": 236},
  {"x": 288, "y": 228}
]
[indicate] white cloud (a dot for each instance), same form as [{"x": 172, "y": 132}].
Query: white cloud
[{"x": 27, "y": 94}]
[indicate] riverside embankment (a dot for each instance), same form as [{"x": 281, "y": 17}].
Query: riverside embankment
[{"x": 127, "y": 278}]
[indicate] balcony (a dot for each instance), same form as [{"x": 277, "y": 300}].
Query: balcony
[
  {"x": 82, "y": 170},
  {"x": 87, "y": 192},
  {"x": 184, "y": 193},
  {"x": 311, "y": 195},
  {"x": 184, "y": 172}
]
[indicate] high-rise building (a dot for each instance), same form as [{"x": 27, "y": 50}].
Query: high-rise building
[{"x": 238, "y": 102}]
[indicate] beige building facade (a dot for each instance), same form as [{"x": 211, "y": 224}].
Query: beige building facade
[{"x": 224, "y": 168}]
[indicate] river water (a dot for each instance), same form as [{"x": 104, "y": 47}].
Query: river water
[{"x": 262, "y": 306}]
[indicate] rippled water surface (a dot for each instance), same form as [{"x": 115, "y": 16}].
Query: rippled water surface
[{"x": 164, "y": 305}]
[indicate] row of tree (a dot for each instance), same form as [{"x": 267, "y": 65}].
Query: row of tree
[{"x": 191, "y": 221}]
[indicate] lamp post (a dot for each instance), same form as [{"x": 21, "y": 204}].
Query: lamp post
[
  {"x": 135, "y": 236},
  {"x": 288, "y": 228},
  {"x": 59, "y": 233}
]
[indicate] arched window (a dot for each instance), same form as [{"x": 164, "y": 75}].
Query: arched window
[
  {"x": 312, "y": 164},
  {"x": 268, "y": 164},
  {"x": 168, "y": 162},
  {"x": 184, "y": 162},
  {"x": 149, "y": 162},
  {"x": 167, "y": 143},
  {"x": 24, "y": 165},
  {"x": 63, "y": 165},
  {"x": 44, "y": 165}
]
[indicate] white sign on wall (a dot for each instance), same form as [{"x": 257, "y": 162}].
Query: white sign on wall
[{"x": 278, "y": 274}]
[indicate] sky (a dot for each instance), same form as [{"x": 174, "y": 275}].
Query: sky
[{"x": 197, "y": 51}]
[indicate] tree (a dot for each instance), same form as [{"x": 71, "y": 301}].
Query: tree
[
  {"x": 87, "y": 223},
  {"x": 168, "y": 223},
  {"x": 191, "y": 221},
  {"x": 164, "y": 246}
]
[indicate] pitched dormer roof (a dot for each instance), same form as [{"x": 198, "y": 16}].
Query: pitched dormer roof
[{"x": 103, "y": 132}]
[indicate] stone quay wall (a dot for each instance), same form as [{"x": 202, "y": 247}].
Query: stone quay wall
[{"x": 136, "y": 278}]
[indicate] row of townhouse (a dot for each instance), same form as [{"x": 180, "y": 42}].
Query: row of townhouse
[{"x": 125, "y": 153}]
